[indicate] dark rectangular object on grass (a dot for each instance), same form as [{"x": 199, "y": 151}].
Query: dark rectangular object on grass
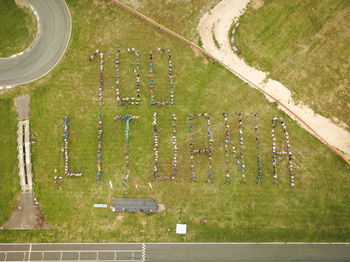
[{"x": 135, "y": 205}]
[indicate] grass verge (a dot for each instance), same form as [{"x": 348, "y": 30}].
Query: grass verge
[
  {"x": 305, "y": 46},
  {"x": 18, "y": 28}
]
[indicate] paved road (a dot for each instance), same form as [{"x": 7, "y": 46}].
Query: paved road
[
  {"x": 176, "y": 252},
  {"x": 47, "y": 49},
  {"x": 71, "y": 252}
]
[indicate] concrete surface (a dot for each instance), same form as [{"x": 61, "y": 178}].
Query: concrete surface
[
  {"x": 24, "y": 156},
  {"x": 20, "y": 151},
  {"x": 22, "y": 107}
]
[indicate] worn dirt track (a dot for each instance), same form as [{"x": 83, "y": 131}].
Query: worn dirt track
[{"x": 218, "y": 22}]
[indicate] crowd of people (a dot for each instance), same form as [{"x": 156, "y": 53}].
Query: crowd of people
[
  {"x": 66, "y": 167},
  {"x": 233, "y": 39},
  {"x": 128, "y": 118},
  {"x": 154, "y": 102},
  {"x": 155, "y": 148},
  {"x": 241, "y": 162},
  {"x": 56, "y": 181},
  {"x": 124, "y": 101},
  {"x": 99, "y": 150},
  {"x": 275, "y": 153},
  {"x": 174, "y": 146},
  {"x": 227, "y": 139},
  {"x": 239, "y": 156},
  {"x": 128, "y": 100},
  {"x": 258, "y": 160},
  {"x": 66, "y": 145},
  {"x": 209, "y": 150},
  {"x": 100, "y": 53},
  {"x": 241, "y": 147}
]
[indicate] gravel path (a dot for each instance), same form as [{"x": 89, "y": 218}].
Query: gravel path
[{"x": 218, "y": 22}]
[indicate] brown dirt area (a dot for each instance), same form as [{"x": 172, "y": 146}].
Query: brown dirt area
[
  {"x": 256, "y": 4},
  {"x": 161, "y": 207},
  {"x": 22, "y": 3},
  {"x": 29, "y": 217}
]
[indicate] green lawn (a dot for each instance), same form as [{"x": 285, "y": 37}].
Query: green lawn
[
  {"x": 9, "y": 182},
  {"x": 306, "y": 46},
  {"x": 316, "y": 209},
  {"x": 18, "y": 28}
]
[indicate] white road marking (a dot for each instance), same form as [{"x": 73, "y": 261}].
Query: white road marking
[
  {"x": 188, "y": 243},
  {"x": 143, "y": 254},
  {"x": 257, "y": 243},
  {"x": 30, "y": 251},
  {"x": 75, "y": 250}
]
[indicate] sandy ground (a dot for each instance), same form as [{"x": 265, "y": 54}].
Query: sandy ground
[
  {"x": 161, "y": 207},
  {"x": 22, "y": 3},
  {"x": 218, "y": 22},
  {"x": 29, "y": 217}
]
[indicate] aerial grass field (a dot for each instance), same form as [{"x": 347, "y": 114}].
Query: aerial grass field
[
  {"x": 18, "y": 28},
  {"x": 306, "y": 46},
  {"x": 316, "y": 209}
]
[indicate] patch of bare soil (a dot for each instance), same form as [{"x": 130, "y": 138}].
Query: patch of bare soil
[
  {"x": 28, "y": 216},
  {"x": 22, "y": 3},
  {"x": 161, "y": 207},
  {"x": 256, "y": 4},
  {"x": 198, "y": 53},
  {"x": 340, "y": 21},
  {"x": 134, "y": 3}
]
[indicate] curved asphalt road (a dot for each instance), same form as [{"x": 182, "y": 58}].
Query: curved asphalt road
[{"x": 47, "y": 49}]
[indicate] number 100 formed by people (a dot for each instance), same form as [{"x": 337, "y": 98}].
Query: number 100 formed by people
[
  {"x": 134, "y": 100},
  {"x": 234, "y": 149}
]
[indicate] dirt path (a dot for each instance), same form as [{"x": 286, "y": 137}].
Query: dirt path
[
  {"x": 29, "y": 217},
  {"x": 218, "y": 22}
]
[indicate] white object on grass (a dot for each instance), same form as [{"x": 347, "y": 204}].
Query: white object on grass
[
  {"x": 181, "y": 229},
  {"x": 100, "y": 205}
]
